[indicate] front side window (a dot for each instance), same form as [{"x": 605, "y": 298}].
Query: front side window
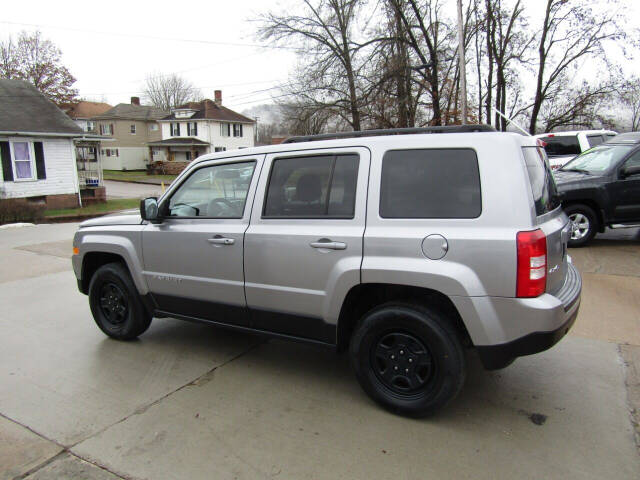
[
  {"x": 218, "y": 191},
  {"x": 22, "y": 160},
  {"x": 595, "y": 140},
  {"x": 633, "y": 161},
  {"x": 312, "y": 187},
  {"x": 430, "y": 183},
  {"x": 563, "y": 145}
]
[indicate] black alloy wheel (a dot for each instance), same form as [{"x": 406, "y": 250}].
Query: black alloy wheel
[
  {"x": 114, "y": 304},
  {"x": 402, "y": 362}
]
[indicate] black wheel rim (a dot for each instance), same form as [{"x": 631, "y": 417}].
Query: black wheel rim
[
  {"x": 402, "y": 362},
  {"x": 113, "y": 304}
]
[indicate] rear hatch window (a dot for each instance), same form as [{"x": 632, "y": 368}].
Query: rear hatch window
[
  {"x": 565, "y": 145},
  {"x": 543, "y": 186}
]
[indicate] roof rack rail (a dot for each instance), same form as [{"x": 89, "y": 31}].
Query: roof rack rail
[{"x": 392, "y": 131}]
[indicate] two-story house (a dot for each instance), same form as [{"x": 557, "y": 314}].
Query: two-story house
[
  {"x": 202, "y": 127},
  {"x": 37, "y": 151},
  {"x": 132, "y": 126}
]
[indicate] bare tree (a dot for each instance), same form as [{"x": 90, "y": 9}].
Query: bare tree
[
  {"x": 630, "y": 99},
  {"x": 325, "y": 28},
  {"x": 170, "y": 91},
  {"x": 37, "y": 61},
  {"x": 571, "y": 31}
]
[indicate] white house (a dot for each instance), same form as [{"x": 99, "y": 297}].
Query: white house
[
  {"x": 36, "y": 148},
  {"x": 202, "y": 127}
]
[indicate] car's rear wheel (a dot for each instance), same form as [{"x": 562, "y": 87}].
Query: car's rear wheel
[
  {"x": 584, "y": 224},
  {"x": 408, "y": 358},
  {"x": 115, "y": 303}
]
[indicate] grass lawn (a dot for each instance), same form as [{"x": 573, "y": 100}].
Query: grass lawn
[
  {"x": 109, "y": 206},
  {"x": 136, "y": 176}
]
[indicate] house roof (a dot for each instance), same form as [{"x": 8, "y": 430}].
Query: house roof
[
  {"x": 179, "y": 142},
  {"x": 210, "y": 110},
  {"x": 127, "y": 111},
  {"x": 85, "y": 109},
  {"x": 23, "y": 109}
]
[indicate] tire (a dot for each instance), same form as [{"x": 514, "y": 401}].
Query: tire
[
  {"x": 585, "y": 224},
  {"x": 433, "y": 356},
  {"x": 115, "y": 303}
]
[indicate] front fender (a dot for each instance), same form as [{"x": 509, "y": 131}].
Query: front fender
[{"x": 125, "y": 244}]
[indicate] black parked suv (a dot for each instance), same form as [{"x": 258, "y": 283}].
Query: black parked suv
[{"x": 601, "y": 188}]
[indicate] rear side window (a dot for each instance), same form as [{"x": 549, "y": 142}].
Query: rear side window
[
  {"x": 312, "y": 187},
  {"x": 543, "y": 186},
  {"x": 595, "y": 140},
  {"x": 430, "y": 183},
  {"x": 562, "y": 145}
]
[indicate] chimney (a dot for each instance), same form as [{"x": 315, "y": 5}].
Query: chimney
[
  {"x": 135, "y": 101},
  {"x": 218, "y": 97}
]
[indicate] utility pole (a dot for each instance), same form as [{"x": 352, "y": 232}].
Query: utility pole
[{"x": 463, "y": 64}]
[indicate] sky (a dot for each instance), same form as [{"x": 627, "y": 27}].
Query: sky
[{"x": 112, "y": 48}]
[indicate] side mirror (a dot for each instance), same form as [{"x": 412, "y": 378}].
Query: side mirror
[
  {"x": 630, "y": 171},
  {"x": 149, "y": 209}
]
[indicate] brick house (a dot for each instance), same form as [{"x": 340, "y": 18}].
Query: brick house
[
  {"x": 132, "y": 126},
  {"x": 36, "y": 148}
]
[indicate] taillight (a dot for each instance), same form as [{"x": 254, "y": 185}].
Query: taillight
[{"x": 532, "y": 264}]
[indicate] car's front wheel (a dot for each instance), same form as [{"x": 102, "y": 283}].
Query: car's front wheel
[
  {"x": 584, "y": 224},
  {"x": 115, "y": 303},
  {"x": 408, "y": 358}
]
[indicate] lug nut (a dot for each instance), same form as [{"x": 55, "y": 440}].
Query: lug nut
[
  {"x": 406, "y": 370},
  {"x": 395, "y": 368},
  {"x": 392, "y": 357},
  {"x": 401, "y": 352},
  {"x": 411, "y": 360}
]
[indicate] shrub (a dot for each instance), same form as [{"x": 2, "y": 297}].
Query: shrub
[{"x": 13, "y": 210}]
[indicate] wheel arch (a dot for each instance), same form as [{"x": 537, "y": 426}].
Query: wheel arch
[
  {"x": 591, "y": 203},
  {"x": 365, "y": 296}
]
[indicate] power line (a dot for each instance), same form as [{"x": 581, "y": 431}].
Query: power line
[{"x": 153, "y": 37}]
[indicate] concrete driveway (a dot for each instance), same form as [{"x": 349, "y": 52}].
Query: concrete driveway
[{"x": 188, "y": 401}]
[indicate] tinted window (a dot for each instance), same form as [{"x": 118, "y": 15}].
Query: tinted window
[
  {"x": 219, "y": 191},
  {"x": 543, "y": 186},
  {"x": 309, "y": 187},
  {"x": 594, "y": 140},
  {"x": 598, "y": 159},
  {"x": 564, "y": 145},
  {"x": 633, "y": 161},
  {"x": 434, "y": 183}
]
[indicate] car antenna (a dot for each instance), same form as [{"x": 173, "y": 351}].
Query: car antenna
[{"x": 512, "y": 122}]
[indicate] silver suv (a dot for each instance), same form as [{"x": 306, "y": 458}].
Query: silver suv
[{"x": 404, "y": 247}]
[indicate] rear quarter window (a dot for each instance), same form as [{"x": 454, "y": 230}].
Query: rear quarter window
[
  {"x": 543, "y": 186},
  {"x": 562, "y": 145},
  {"x": 430, "y": 183}
]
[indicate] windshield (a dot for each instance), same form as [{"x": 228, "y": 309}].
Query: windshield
[{"x": 598, "y": 160}]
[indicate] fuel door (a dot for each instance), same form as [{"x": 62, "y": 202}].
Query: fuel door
[{"x": 435, "y": 246}]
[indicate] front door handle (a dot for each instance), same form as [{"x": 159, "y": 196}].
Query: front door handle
[
  {"x": 329, "y": 245},
  {"x": 218, "y": 240}
]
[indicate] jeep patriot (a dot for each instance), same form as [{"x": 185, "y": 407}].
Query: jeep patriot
[{"x": 404, "y": 247}]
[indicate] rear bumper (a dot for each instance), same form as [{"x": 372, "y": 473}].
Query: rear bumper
[
  {"x": 556, "y": 314},
  {"x": 498, "y": 356}
]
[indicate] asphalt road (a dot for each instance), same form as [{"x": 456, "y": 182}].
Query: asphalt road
[
  {"x": 187, "y": 401},
  {"x": 131, "y": 190}
]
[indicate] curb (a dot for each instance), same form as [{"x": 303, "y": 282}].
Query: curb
[{"x": 167, "y": 183}]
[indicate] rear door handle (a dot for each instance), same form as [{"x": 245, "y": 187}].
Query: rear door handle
[
  {"x": 218, "y": 240},
  {"x": 329, "y": 245}
]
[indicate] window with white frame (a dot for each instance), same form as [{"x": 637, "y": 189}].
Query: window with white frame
[
  {"x": 153, "y": 127},
  {"x": 192, "y": 129},
  {"x": 175, "y": 129},
  {"x": 237, "y": 129},
  {"x": 90, "y": 126},
  {"x": 133, "y": 128},
  {"x": 22, "y": 158},
  {"x": 225, "y": 129},
  {"x": 106, "y": 129}
]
